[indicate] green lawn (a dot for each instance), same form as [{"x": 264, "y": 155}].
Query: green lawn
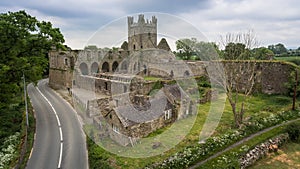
[
  {"x": 287, "y": 157},
  {"x": 256, "y": 106},
  {"x": 259, "y": 105},
  {"x": 287, "y": 58},
  {"x": 152, "y": 78},
  {"x": 293, "y": 59}
]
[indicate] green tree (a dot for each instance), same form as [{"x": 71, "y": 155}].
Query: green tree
[
  {"x": 278, "y": 49},
  {"x": 263, "y": 53},
  {"x": 236, "y": 51},
  {"x": 186, "y": 48},
  {"x": 192, "y": 49},
  {"x": 24, "y": 46},
  {"x": 25, "y": 42}
]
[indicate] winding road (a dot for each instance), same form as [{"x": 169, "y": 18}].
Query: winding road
[{"x": 59, "y": 141}]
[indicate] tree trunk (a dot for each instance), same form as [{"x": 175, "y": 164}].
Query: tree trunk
[
  {"x": 241, "y": 114},
  {"x": 236, "y": 120},
  {"x": 238, "y": 115},
  {"x": 235, "y": 114}
]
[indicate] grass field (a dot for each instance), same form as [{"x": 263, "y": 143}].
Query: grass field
[
  {"x": 292, "y": 59},
  {"x": 287, "y": 157},
  {"x": 257, "y": 106}
]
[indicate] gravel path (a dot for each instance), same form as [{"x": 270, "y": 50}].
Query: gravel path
[{"x": 240, "y": 142}]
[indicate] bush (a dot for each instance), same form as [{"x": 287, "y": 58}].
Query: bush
[
  {"x": 97, "y": 159},
  {"x": 203, "y": 81},
  {"x": 293, "y": 130}
]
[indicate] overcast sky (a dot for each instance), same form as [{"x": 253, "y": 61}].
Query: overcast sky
[{"x": 274, "y": 21}]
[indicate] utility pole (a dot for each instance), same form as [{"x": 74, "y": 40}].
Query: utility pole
[{"x": 25, "y": 96}]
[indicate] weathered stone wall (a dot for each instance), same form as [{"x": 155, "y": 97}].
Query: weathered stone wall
[
  {"x": 262, "y": 149},
  {"x": 85, "y": 82},
  {"x": 270, "y": 76},
  {"x": 144, "y": 129},
  {"x": 61, "y": 66},
  {"x": 197, "y": 68},
  {"x": 274, "y": 75},
  {"x": 60, "y": 78}
]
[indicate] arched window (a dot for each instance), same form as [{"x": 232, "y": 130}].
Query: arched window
[
  {"x": 105, "y": 67},
  {"x": 124, "y": 65},
  {"x": 172, "y": 73},
  {"x": 186, "y": 73},
  {"x": 83, "y": 68},
  {"x": 145, "y": 69},
  {"x": 66, "y": 61},
  {"x": 115, "y": 66},
  {"x": 105, "y": 85},
  {"x": 94, "y": 67}
]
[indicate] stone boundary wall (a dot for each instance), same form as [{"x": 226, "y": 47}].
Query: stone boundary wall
[
  {"x": 270, "y": 76},
  {"x": 262, "y": 149}
]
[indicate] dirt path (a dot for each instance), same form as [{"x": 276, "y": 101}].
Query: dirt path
[{"x": 240, "y": 142}]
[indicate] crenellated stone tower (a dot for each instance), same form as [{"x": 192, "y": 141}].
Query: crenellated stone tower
[{"x": 142, "y": 34}]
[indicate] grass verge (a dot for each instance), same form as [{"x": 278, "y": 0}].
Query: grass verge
[
  {"x": 288, "y": 156},
  {"x": 257, "y": 106}
]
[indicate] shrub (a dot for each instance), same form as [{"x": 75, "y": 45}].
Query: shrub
[
  {"x": 96, "y": 158},
  {"x": 203, "y": 81},
  {"x": 8, "y": 150},
  {"x": 293, "y": 130}
]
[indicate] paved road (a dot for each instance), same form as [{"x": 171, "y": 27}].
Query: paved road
[{"x": 60, "y": 141}]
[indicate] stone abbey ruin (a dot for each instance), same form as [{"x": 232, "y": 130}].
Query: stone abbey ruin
[{"x": 131, "y": 91}]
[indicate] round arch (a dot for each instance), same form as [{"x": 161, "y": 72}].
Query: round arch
[
  {"x": 124, "y": 65},
  {"x": 105, "y": 67},
  {"x": 84, "y": 69},
  {"x": 115, "y": 66},
  {"x": 94, "y": 68}
]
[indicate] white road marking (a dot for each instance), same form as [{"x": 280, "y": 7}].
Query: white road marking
[
  {"x": 60, "y": 155},
  {"x": 81, "y": 123},
  {"x": 60, "y": 132},
  {"x": 58, "y": 121},
  {"x": 59, "y": 126}
]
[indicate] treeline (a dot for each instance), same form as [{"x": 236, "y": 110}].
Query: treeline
[
  {"x": 192, "y": 49},
  {"x": 280, "y": 50}
]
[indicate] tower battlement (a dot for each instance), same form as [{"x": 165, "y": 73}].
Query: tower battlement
[
  {"x": 142, "y": 34},
  {"x": 141, "y": 21}
]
